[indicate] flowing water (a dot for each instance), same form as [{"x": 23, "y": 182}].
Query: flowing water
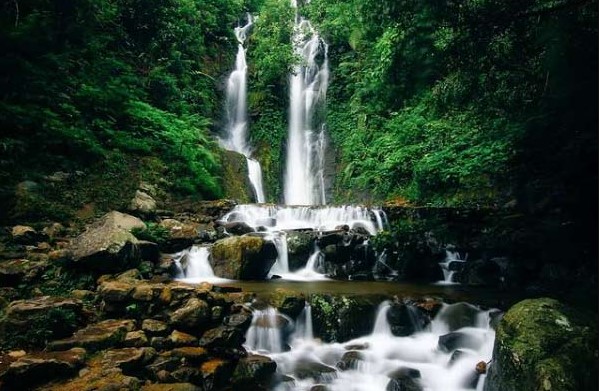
[
  {"x": 236, "y": 107},
  {"x": 450, "y": 267},
  {"x": 193, "y": 266},
  {"x": 371, "y": 362},
  {"x": 306, "y": 144}
]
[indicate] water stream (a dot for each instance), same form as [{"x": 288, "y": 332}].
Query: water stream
[{"x": 379, "y": 360}]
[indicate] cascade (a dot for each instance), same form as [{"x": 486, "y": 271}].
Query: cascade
[
  {"x": 306, "y": 144},
  {"x": 193, "y": 265},
  {"x": 236, "y": 108},
  {"x": 265, "y": 332},
  {"x": 381, "y": 353},
  {"x": 450, "y": 266}
]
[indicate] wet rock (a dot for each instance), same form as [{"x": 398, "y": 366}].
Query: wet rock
[
  {"x": 458, "y": 355},
  {"x": 115, "y": 291},
  {"x": 222, "y": 337},
  {"x": 253, "y": 372},
  {"x": 300, "y": 244},
  {"x": 98, "y": 336},
  {"x": 480, "y": 272},
  {"x": 148, "y": 251},
  {"x": 18, "y": 271},
  {"x": 288, "y": 302},
  {"x": 142, "y": 205},
  {"x": 542, "y": 344},
  {"x": 187, "y": 375},
  {"x": 350, "y": 360},
  {"x": 161, "y": 367},
  {"x": 458, "y": 340},
  {"x": 180, "y": 339},
  {"x": 23, "y": 234},
  {"x": 315, "y": 370},
  {"x": 459, "y": 315},
  {"x": 107, "y": 245},
  {"x": 405, "y": 319},
  {"x": 135, "y": 339},
  {"x": 241, "y": 321},
  {"x": 243, "y": 257},
  {"x": 404, "y": 379},
  {"x": 238, "y": 228},
  {"x": 37, "y": 368},
  {"x": 195, "y": 314},
  {"x": 154, "y": 327}
]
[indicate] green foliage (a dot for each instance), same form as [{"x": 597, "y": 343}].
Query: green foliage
[{"x": 153, "y": 233}]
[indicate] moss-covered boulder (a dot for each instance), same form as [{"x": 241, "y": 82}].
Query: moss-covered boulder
[
  {"x": 300, "y": 244},
  {"x": 544, "y": 345},
  {"x": 243, "y": 257}
]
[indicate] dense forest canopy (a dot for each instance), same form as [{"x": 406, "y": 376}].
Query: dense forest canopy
[{"x": 442, "y": 102}]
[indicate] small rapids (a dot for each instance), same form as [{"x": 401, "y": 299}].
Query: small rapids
[{"x": 380, "y": 360}]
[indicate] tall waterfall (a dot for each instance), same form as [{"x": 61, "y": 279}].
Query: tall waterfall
[
  {"x": 237, "y": 119},
  {"x": 306, "y": 145}
]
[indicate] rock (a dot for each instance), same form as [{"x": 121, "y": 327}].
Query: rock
[
  {"x": 241, "y": 321},
  {"x": 288, "y": 302},
  {"x": 542, "y": 344},
  {"x": 171, "y": 387},
  {"x": 115, "y": 291},
  {"x": 459, "y": 340},
  {"x": 17, "y": 271},
  {"x": 243, "y": 257},
  {"x": 195, "y": 314},
  {"x": 47, "y": 317},
  {"x": 315, "y": 370},
  {"x": 238, "y": 228},
  {"x": 191, "y": 354},
  {"x": 54, "y": 230},
  {"x": 23, "y": 234},
  {"x": 458, "y": 355},
  {"x": 300, "y": 245},
  {"x": 404, "y": 379},
  {"x": 253, "y": 372},
  {"x": 98, "y": 336},
  {"x": 107, "y": 245},
  {"x": 187, "y": 375},
  {"x": 181, "y": 235},
  {"x": 82, "y": 294},
  {"x": 222, "y": 337},
  {"x": 135, "y": 339},
  {"x": 37, "y": 368},
  {"x": 179, "y": 339},
  {"x": 216, "y": 373},
  {"x": 128, "y": 359},
  {"x": 405, "y": 319},
  {"x": 350, "y": 360},
  {"x": 459, "y": 315},
  {"x": 162, "y": 366},
  {"x": 154, "y": 327},
  {"x": 480, "y": 272},
  {"x": 142, "y": 205}
]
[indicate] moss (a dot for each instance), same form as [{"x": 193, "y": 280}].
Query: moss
[{"x": 542, "y": 344}]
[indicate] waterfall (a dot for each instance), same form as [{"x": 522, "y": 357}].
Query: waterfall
[
  {"x": 448, "y": 266},
  {"x": 306, "y": 144},
  {"x": 237, "y": 118},
  {"x": 193, "y": 265},
  {"x": 381, "y": 324},
  {"x": 265, "y": 334},
  {"x": 303, "y": 324}
]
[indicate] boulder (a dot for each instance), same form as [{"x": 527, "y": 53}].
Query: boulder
[
  {"x": 222, "y": 337},
  {"x": 300, "y": 244},
  {"x": 154, "y": 327},
  {"x": 406, "y": 319},
  {"x": 128, "y": 359},
  {"x": 107, "y": 245},
  {"x": 480, "y": 272},
  {"x": 180, "y": 339},
  {"x": 458, "y": 340},
  {"x": 542, "y": 344},
  {"x": 193, "y": 315},
  {"x": 216, "y": 373},
  {"x": 98, "y": 336},
  {"x": 135, "y": 339},
  {"x": 172, "y": 387},
  {"x": 192, "y": 354},
  {"x": 23, "y": 234},
  {"x": 238, "y": 228},
  {"x": 142, "y": 204},
  {"x": 36, "y": 368},
  {"x": 311, "y": 369},
  {"x": 115, "y": 291},
  {"x": 253, "y": 372},
  {"x": 350, "y": 360},
  {"x": 404, "y": 379},
  {"x": 243, "y": 257},
  {"x": 17, "y": 271},
  {"x": 288, "y": 302},
  {"x": 458, "y": 315},
  {"x": 181, "y": 235},
  {"x": 31, "y": 322}
]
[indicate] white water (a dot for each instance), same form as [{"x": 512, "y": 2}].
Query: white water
[
  {"x": 265, "y": 332},
  {"x": 448, "y": 275},
  {"x": 381, "y": 326},
  {"x": 237, "y": 119},
  {"x": 382, "y": 353},
  {"x": 279, "y": 218},
  {"x": 193, "y": 266},
  {"x": 306, "y": 144}
]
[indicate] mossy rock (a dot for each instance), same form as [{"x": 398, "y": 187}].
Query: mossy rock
[
  {"x": 544, "y": 345},
  {"x": 243, "y": 257}
]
